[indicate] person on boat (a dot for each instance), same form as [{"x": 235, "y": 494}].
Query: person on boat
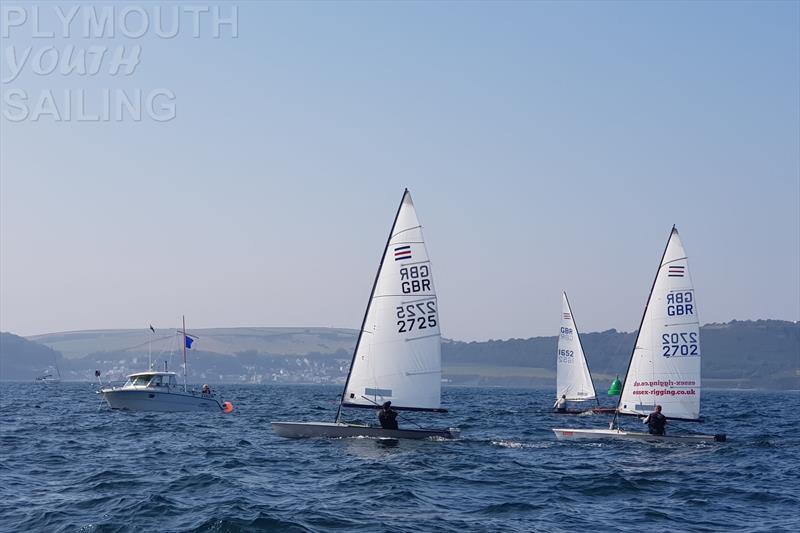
[
  {"x": 561, "y": 404},
  {"x": 656, "y": 422},
  {"x": 387, "y": 416},
  {"x": 206, "y": 389}
]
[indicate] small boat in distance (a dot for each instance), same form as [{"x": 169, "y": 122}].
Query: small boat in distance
[
  {"x": 49, "y": 379},
  {"x": 664, "y": 367},
  {"x": 573, "y": 379},
  {"x": 398, "y": 355},
  {"x": 159, "y": 391}
]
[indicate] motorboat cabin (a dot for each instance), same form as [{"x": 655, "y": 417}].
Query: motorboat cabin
[{"x": 151, "y": 379}]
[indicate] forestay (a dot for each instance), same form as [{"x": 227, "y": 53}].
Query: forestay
[
  {"x": 665, "y": 364},
  {"x": 398, "y": 354},
  {"x": 572, "y": 371}
]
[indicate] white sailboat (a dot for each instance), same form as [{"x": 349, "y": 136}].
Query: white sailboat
[
  {"x": 573, "y": 379},
  {"x": 159, "y": 391},
  {"x": 664, "y": 368},
  {"x": 397, "y": 357}
]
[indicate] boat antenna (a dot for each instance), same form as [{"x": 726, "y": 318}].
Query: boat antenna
[
  {"x": 184, "y": 353},
  {"x": 641, "y": 323},
  {"x": 149, "y": 349},
  {"x": 369, "y": 303}
]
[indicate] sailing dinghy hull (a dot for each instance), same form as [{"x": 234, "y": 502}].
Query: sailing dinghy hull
[
  {"x": 573, "y": 412},
  {"x": 300, "y": 430},
  {"x": 594, "y": 434}
]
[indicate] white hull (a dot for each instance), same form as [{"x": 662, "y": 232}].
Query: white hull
[
  {"x": 298, "y": 430},
  {"x": 594, "y": 434},
  {"x": 159, "y": 400}
]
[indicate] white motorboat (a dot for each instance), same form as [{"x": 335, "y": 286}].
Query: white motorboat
[{"x": 160, "y": 391}]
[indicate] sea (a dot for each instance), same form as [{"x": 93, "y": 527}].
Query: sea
[{"x": 69, "y": 463}]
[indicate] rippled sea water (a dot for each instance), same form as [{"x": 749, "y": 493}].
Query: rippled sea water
[{"x": 68, "y": 463}]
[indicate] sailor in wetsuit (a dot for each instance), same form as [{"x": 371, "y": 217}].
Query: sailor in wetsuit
[
  {"x": 656, "y": 422},
  {"x": 561, "y": 404},
  {"x": 387, "y": 416}
]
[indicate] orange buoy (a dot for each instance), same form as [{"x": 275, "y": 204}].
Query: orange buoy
[{"x": 227, "y": 407}]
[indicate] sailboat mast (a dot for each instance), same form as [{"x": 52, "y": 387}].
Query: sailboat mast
[
  {"x": 585, "y": 359},
  {"x": 641, "y": 323},
  {"x": 149, "y": 350},
  {"x": 184, "y": 353},
  {"x": 369, "y": 303}
]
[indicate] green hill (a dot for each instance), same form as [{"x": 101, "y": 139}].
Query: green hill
[
  {"x": 21, "y": 359},
  {"x": 740, "y": 354}
]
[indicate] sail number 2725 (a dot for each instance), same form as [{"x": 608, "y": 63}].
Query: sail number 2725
[{"x": 420, "y": 315}]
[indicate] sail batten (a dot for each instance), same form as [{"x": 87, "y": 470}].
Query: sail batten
[
  {"x": 664, "y": 368},
  {"x": 573, "y": 379}
]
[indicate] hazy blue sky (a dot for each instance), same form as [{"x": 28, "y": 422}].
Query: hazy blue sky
[{"x": 547, "y": 146}]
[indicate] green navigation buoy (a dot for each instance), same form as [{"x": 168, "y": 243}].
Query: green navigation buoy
[{"x": 615, "y": 387}]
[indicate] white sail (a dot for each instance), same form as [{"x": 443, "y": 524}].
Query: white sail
[
  {"x": 665, "y": 364},
  {"x": 398, "y": 355},
  {"x": 572, "y": 371}
]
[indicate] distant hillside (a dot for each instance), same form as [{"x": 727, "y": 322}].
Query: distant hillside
[
  {"x": 21, "y": 359},
  {"x": 226, "y": 341},
  {"x": 743, "y": 354}
]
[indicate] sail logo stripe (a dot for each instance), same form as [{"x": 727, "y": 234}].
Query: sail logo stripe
[
  {"x": 676, "y": 271},
  {"x": 567, "y": 316},
  {"x": 402, "y": 252}
]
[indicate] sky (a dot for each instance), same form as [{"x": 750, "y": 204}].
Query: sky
[{"x": 547, "y": 147}]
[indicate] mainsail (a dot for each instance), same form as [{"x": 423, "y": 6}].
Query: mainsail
[
  {"x": 665, "y": 364},
  {"x": 398, "y": 353},
  {"x": 572, "y": 371}
]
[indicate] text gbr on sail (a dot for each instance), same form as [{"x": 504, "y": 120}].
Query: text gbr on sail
[
  {"x": 680, "y": 303},
  {"x": 415, "y": 279}
]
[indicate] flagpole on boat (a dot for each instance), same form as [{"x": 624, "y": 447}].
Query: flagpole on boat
[
  {"x": 184, "y": 353},
  {"x": 149, "y": 350},
  {"x": 369, "y": 304},
  {"x": 641, "y": 323}
]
